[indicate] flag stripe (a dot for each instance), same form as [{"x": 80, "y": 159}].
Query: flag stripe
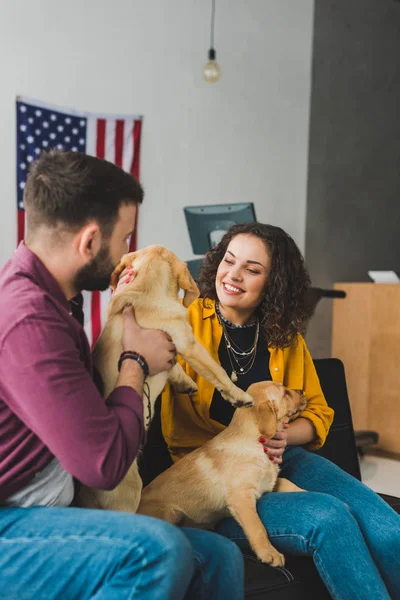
[
  {"x": 136, "y": 135},
  {"x": 137, "y": 132},
  {"x": 95, "y": 299},
  {"x": 128, "y": 147},
  {"x": 119, "y": 142},
  {"x": 21, "y": 224},
  {"x": 87, "y": 302},
  {"x": 101, "y": 138}
]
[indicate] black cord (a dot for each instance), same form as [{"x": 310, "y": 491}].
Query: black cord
[
  {"x": 212, "y": 23},
  {"x": 146, "y": 394}
]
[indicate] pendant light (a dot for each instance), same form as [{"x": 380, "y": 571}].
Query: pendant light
[{"x": 211, "y": 70}]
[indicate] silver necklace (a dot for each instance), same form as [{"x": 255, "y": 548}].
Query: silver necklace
[{"x": 237, "y": 354}]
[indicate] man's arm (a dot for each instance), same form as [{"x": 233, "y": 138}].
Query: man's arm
[{"x": 45, "y": 383}]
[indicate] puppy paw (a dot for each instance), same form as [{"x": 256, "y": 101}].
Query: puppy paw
[
  {"x": 187, "y": 388},
  {"x": 272, "y": 557},
  {"x": 237, "y": 397}
]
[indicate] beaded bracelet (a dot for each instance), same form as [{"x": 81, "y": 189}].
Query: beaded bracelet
[{"x": 134, "y": 356}]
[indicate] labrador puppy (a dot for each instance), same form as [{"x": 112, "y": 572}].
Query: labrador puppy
[
  {"x": 154, "y": 294},
  {"x": 229, "y": 473}
]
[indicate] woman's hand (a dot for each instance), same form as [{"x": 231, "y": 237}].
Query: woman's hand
[
  {"x": 276, "y": 446},
  {"x": 126, "y": 277}
]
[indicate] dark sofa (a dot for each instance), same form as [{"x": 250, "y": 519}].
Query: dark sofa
[{"x": 299, "y": 579}]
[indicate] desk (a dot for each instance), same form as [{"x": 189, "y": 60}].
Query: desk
[{"x": 366, "y": 337}]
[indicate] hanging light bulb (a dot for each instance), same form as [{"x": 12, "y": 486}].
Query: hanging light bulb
[{"x": 211, "y": 70}]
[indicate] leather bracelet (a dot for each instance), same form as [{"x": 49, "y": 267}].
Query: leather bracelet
[{"x": 137, "y": 357}]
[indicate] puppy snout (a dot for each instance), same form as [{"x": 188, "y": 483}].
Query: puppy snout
[{"x": 300, "y": 392}]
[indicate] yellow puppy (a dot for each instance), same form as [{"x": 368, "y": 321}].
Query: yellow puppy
[
  {"x": 154, "y": 294},
  {"x": 229, "y": 473}
]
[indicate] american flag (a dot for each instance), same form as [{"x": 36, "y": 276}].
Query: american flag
[{"x": 113, "y": 137}]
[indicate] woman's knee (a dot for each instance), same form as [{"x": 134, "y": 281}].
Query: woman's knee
[{"x": 326, "y": 515}]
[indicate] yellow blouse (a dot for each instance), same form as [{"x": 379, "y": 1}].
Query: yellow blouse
[{"x": 186, "y": 421}]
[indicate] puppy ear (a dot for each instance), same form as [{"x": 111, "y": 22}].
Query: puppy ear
[
  {"x": 126, "y": 260},
  {"x": 266, "y": 419},
  {"x": 186, "y": 283}
]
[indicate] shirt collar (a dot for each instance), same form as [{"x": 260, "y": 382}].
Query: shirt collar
[
  {"x": 208, "y": 308},
  {"x": 33, "y": 267}
]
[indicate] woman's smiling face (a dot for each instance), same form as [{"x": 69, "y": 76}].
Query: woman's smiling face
[{"x": 243, "y": 273}]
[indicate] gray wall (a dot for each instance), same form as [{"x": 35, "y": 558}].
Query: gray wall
[{"x": 353, "y": 210}]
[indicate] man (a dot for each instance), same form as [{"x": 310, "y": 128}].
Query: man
[{"x": 55, "y": 427}]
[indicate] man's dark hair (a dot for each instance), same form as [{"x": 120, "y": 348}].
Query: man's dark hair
[{"x": 69, "y": 189}]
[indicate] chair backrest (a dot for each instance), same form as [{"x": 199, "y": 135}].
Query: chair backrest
[{"x": 340, "y": 446}]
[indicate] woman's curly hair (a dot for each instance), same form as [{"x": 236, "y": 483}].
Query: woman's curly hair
[{"x": 285, "y": 309}]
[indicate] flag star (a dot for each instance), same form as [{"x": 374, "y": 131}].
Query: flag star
[
  {"x": 29, "y": 158},
  {"x": 68, "y": 120},
  {"x": 45, "y": 124},
  {"x": 52, "y": 136},
  {"x": 75, "y": 131},
  {"x": 30, "y": 120},
  {"x": 37, "y": 150},
  {"x": 22, "y": 146},
  {"x": 67, "y": 139},
  {"x": 45, "y": 143},
  {"x": 23, "y": 128},
  {"x": 22, "y": 185},
  {"x": 22, "y": 166},
  {"x": 60, "y": 128},
  {"x": 59, "y": 146},
  {"x": 38, "y": 113},
  {"x": 81, "y": 141},
  {"x": 30, "y": 139},
  {"x": 74, "y": 149},
  {"x": 37, "y": 131},
  {"x": 21, "y": 205},
  {"x": 22, "y": 108},
  {"x": 82, "y": 123},
  {"x": 53, "y": 117}
]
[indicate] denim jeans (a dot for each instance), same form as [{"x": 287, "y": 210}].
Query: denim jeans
[
  {"x": 74, "y": 554},
  {"x": 351, "y": 533}
]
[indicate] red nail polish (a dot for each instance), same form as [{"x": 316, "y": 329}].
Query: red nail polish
[
  {"x": 261, "y": 440},
  {"x": 271, "y": 458},
  {"x": 266, "y": 450},
  {"x": 127, "y": 280}
]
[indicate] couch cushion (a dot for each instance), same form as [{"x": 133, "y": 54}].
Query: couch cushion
[{"x": 298, "y": 580}]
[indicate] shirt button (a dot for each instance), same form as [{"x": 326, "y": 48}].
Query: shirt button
[{"x": 276, "y": 369}]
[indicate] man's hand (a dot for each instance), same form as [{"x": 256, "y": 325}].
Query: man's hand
[
  {"x": 154, "y": 345},
  {"x": 276, "y": 446}
]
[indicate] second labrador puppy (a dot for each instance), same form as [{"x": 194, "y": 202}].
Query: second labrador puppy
[{"x": 229, "y": 473}]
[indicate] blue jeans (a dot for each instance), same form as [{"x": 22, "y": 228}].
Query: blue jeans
[
  {"x": 72, "y": 553},
  {"x": 351, "y": 533}
]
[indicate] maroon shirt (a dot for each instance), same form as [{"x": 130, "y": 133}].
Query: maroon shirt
[{"x": 49, "y": 404}]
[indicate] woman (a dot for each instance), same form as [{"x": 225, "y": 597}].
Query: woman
[{"x": 250, "y": 319}]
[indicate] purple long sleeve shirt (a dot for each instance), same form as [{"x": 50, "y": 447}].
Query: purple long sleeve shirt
[{"x": 49, "y": 404}]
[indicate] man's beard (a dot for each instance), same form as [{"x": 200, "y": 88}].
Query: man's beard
[{"x": 97, "y": 274}]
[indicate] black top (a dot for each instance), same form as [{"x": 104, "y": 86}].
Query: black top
[{"x": 220, "y": 409}]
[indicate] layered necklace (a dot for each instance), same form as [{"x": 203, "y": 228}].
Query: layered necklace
[{"x": 241, "y": 360}]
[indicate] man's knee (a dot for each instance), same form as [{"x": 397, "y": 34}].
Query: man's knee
[{"x": 171, "y": 544}]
